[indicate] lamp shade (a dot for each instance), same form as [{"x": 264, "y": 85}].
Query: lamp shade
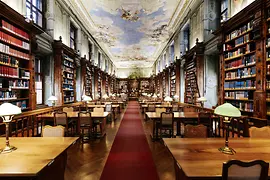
[
  {"x": 87, "y": 98},
  {"x": 97, "y": 96},
  {"x": 168, "y": 98},
  {"x": 227, "y": 110},
  {"x": 149, "y": 95},
  {"x": 113, "y": 95},
  {"x": 158, "y": 95},
  {"x": 8, "y": 109},
  {"x": 175, "y": 96},
  {"x": 105, "y": 96},
  {"x": 52, "y": 98},
  {"x": 154, "y": 96},
  {"x": 202, "y": 99}
]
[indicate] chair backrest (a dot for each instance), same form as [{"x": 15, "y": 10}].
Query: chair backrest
[
  {"x": 68, "y": 109},
  {"x": 50, "y": 131},
  {"x": 108, "y": 107},
  {"x": 98, "y": 102},
  {"x": 175, "y": 108},
  {"x": 195, "y": 131},
  {"x": 85, "y": 118},
  {"x": 151, "y": 108},
  {"x": 166, "y": 118},
  {"x": 60, "y": 118},
  {"x": 239, "y": 170},
  {"x": 98, "y": 109},
  {"x": 263, "y": 132}
]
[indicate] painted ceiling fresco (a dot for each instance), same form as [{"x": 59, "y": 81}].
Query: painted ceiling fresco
[{"x": 132, "y": 30}]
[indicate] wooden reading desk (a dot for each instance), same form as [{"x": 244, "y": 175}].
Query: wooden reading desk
[
  {"x": 39, "y": 158},
  {"x": 74, "y": 115},
  {"x": 199, "y": 158}
]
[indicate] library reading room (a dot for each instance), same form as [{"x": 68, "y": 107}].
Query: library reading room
[{"x": 134, "y": 89}]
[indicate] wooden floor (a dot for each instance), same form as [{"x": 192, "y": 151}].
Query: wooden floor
[{"x": 86, "y": 161}]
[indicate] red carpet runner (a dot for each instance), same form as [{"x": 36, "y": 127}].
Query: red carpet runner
[{"x": 130, "y": 157}]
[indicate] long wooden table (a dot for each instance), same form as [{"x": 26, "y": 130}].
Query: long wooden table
[
  {"x": 199, "y": 158},
  {"x": 98, "y": 116},
  {"x": 178, "y": 116},
  {"x": 115, "y": 108},
  {"x": 39, "y": 158}
]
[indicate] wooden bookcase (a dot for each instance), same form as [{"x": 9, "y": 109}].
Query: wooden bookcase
[
  {"x": 164, "y": 79},
  {"x": 267, "y": 55},
  {"x": 98, "y": 82},
  {"x": 144, "y": 85},
  {"x": 172, "y": 80},
  {"x": 17, "y": 84},
  {"x": 241, "y": 62},
  {"x": 64, "y": 73},
  {"x": 194, "y": 73},
  {"x": 87, "y": 72},
  {"x": 157, "y": 79},
  {"x": 112, "y": 84},
  {"x": 106, "y": 80}
]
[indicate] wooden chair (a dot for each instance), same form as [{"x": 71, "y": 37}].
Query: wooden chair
[
  {"x": 108, "y": 108},
  {"x": 189, "y": 109},
  {"x": 98, "y": 102},
  {"x": 53, "y": 131},
  {"x": 68, "y": 109},
  {"x": 239, "y": 170},
  {"x": 195, "y": 131},
  {"x": 85, "y": 123},
  {"x": 160, "y": 110},
  {"x": 166, "y": 124},
  {"x": 263, "y": 132},
  {"x": 175, "y": 108},
  {"x": 60, "y": 118},
  {"x": 98, "y": 109},
  {"x": 151, "y": 108},
  {"x": 205, "y": 118}
]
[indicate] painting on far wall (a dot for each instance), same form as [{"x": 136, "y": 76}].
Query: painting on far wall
[{"x": 238, "y": 5}]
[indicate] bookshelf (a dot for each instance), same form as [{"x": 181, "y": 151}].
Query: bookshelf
[
  {"x": 172, "y": 80},
  {"x": 163, "y": 76},
  {"x": 106, "y": 79},
  {"x": 157, "y": 79},
  {"x": 98, "y": 78},
  {"x": 239, "y": 50},
  {"x": 16, "y": 59},
  {"x": 145, "y": 86},
  {"x": 267, "y": 57},
  {"x": 112, "y": 84},
  {"x": 65, "y": 73},
  {"x": 87, "y": 76},
  {"x": 194, "y": 73}
]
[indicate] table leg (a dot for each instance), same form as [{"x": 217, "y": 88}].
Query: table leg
[{"x": 178, "y": 128}]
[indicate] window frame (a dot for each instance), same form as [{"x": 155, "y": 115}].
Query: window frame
[
  {"x": 36, "y": 10},
  {"x": 72, "y": 27},
  {"x": 42, "y": 80}
]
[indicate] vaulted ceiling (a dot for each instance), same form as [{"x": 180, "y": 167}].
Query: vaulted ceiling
[{"x": 133, "y": 32}]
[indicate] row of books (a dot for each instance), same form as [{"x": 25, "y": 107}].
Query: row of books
[
  {"x": 68, "y": 99},
  {"x": 239, "y": 84},
  {"x": 8, "y": 50},
  {"x": 68, "y": 87},
  {"x": 247, "y": 60},
  {"x": 70, "y": 70},
  {"x": 268, "y": 69},
  {"x": 239, "y": 31},
  {"x": 237, "y": 94},
  {"x": 240, "y": 73},
  {"x": 268, "y": 95},
  {"x": 68, "y": 81},
  {"x": 8, "y": 60},
  {"x": 242, "y": 40},
  {"x": 14, "y": 29},
  {"x": 268, "y": 54},
  {"x": 9, "y": 71},
  {"x": 68, "y": 64},
  {"x": 8, "y": 95},
  {"x": 12, "y": 40},
  {"x": 24, "y": 74},
  {"x": 18, "y": 84},
  {"x": 68, "y": 58},
  {"x": 268, "y": 84},
  {"x": 268, "y": 42},
  {"x": 21, "y": 104},
  {"x": 243, "y": 106},
  {"x": 237, "y": 52},
  {"x": 68, "y": 75}
]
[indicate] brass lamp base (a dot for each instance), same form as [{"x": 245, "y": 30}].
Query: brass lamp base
[
  {"x": 7, "y": 149},
  {"x": 227, "y": 150}
]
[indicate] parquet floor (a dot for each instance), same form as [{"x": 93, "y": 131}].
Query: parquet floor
[{"x": 86, "y": 161}]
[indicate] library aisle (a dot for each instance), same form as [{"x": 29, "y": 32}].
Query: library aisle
[{"x": 130, "y": 156}]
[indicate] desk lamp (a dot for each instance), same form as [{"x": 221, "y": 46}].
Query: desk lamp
[
  {"x": 227, "y": 111},
  {"x": 7, "y": 111},
  {"x": 202, "y": 100},
  {"x": 53, "y": 99},
  {"x": 168, "y": 99},
  {"x": 176, "y": 98}
]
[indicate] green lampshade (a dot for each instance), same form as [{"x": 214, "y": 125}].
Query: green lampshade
[
  {"x": 227, "y": 110},
  {"x": 202, "y": 99}
]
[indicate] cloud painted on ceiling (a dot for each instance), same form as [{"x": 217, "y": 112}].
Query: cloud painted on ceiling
[{"x": 132, "y": 30}]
